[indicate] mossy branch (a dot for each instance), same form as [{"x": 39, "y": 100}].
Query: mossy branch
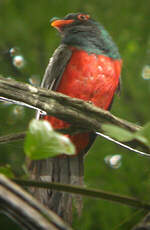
[
  {"x": 76, "y": 111},
  {"x": 80, "y": 114}
]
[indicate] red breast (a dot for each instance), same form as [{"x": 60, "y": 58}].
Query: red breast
[{"x": 89, "y": 77}]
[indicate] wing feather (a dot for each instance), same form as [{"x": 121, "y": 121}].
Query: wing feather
[{"x": 56, "y": 67}]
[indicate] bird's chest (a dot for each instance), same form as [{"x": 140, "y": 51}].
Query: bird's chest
[{"x": 90, "y": 77}]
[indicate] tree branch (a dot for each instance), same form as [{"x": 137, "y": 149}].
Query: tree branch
[
  {"x": 75, "y": 111},
  {"x": 82, "y": 116},
  {"x": 12, "y": 137},
  {"x": 144, "y": 224},
  {"x": 25, "y": 210}
]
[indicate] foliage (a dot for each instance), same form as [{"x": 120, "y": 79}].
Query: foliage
[
  {"x": 25, "y": 26},
  {"x": 7, "y": 171},
  {"x": 42, "y": 141},
  {"x": 123, "y": 135}
]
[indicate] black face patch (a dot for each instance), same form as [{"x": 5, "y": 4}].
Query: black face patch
[
  {"x": 80, "y": 19},
  {"x": 72, "y": 16},
  {"x": 77, "y": 16}
]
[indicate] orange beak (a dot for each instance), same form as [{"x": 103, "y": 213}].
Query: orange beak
[{"x": 60, "y": 23}]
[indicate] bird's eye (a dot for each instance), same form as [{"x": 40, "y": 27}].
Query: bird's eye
[{"x": 83, "y": 17}]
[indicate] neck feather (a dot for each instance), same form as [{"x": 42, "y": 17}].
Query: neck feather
[{"x": 95, "y": 40}]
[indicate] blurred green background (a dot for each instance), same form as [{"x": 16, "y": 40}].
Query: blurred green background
[{"x": 24, "y": 26}]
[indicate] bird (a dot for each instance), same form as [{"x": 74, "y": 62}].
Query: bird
[{"x": 86, "y": 65}]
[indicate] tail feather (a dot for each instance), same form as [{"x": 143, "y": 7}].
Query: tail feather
[
  {"x": 64, "y": 170},
  {"x": 77, "y": 178}
]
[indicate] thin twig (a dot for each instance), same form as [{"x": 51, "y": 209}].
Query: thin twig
[
  {"x": 12, "y": 137},
  {"x": 93, "y": 193}
]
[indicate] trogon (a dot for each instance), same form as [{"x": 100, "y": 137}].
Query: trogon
[{"x": 86, "y": 65}]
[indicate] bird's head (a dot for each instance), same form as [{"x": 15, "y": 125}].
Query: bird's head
[
  {"x": 81, "y": 31},
  {"x": 78, "y": 22}
]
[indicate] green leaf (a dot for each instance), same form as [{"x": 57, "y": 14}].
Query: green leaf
[
  {"x": 43, "y": 142},
  {"x": 123, "y": 135},
  {"x": 118, "y": 133},
  {"x": 7, "y": 171},
  {"x": 143, "y": 135}
]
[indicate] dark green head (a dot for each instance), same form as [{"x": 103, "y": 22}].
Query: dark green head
[{"x": 80, "y": 31}]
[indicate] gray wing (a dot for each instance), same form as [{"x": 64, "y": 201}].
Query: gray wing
[{"x": 56, "y": 67}]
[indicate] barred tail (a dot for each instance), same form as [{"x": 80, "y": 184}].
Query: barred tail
[{"x": 64, "y": 170}]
